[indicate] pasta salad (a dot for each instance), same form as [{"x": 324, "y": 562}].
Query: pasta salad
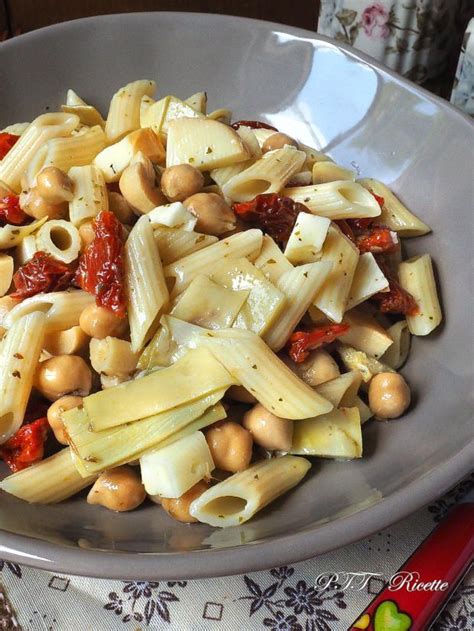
[{"x": 191, "y": 308}]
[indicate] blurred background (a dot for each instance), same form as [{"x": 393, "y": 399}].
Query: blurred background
[{"x": 421, "y": 39}]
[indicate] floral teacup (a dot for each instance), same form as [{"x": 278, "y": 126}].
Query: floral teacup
[{"x": 413, "y": 37}]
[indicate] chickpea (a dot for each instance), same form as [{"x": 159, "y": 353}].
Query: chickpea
[
  {"x": 87, "y": 234},
  {"x": 54, "y": 185},
  {"x": 268, "y": 431},
  {"x": 230, "y": 446},
  {"x": 121, "y": 208},
  {"x": 278, "y": 141},
  {"x": 99, "y": 322},
  {"x": 214, "y": 215},
  {"x": 63, "y": 374},
  {"x": 179, "y": 508},
  {"x": 36, "y": 206},
  {"x": 318, "y": 368},
  {"x": 181, "y": 181},
  {"x": 389, "y": 395},
  {"x": 55, "y": 412},
  {"x": 119, "y": 489}
]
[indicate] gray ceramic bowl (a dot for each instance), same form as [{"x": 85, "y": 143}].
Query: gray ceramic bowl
[{"x": 331, "y": 98}]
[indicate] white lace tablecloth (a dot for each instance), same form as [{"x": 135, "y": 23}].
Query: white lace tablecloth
[{"x": 282, "y": 599}]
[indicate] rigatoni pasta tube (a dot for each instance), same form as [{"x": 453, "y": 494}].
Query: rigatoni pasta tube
[
  {"x": 19, "y": 355},
  {"x": 332, "y": 298},
  {"x": 190, "y": 378},
  {"x": 238, "y": 498},
  {"x": 334, "y": 435},
  {"x": 254, "y": 366},
  {"x": 90, "y": 194},
  {"x": 267, "y": 175},
  {"x": 147, "y": 293},
  {"x": 60, "y": 239},
  {"x": 336, "y": 200},
  {"x": 124, "y": 110},
  {"x": 330, "y": 172},
  {"x": 244, "y": 244},
  {"x": 41, "y": 130},
  {"x": 417, "y": 277},
  {"x": 118, "y": 445},
  {"x": 394, "y": 214},
  {"x": 299, "y": 286},
  {"x": 49, "y": 481}
]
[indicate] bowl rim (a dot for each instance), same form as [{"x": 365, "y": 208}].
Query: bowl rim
[{"x": 279, "y": 549}]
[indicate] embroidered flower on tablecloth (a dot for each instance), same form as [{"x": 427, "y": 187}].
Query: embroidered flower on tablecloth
[
  {"x": 280, "y": 623},
  {"x": 374, "y": 21},
  {"x": 142, "y": 595},
  {"x": 302, "y": 598},
  {"x": 282, "y": 573}
]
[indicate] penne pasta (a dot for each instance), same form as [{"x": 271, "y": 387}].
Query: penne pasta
[
  {"x": 88, "y": 115},
  {"x": 313, "y": 156},
  {"x": 205, "y": 144},
  {"x": 145, "y": 284},
  {"x": 334, "y": 435},
  {"x": 332, "y": 298},
  {"x": 191, "y": 377},
  {"x": 254, "y": 366},
  {"x": 60, "y": 239},
  {"x": 341, "y": 390},
  {"x": 176, "y": 243},
  {"x": 244, "y": 244},
  {"x": 264, "y": 302},
  {"x": 365, "y": 412},
  {"x": 237, "y": 499},
  {"x": 269, "y": 174},
  {"x": 12, "y": 235},
  {"x": 26, "y": 249},
  {"x": 124, "y": 110},
  {"x": 6, "y": 272},
  {"x": 207, "y": 304},
  {"x": 49, "y": 481},
  {"x": 368, "y": 280},
  {"x": 198, "y": 102},
  {"x": 19, "y": 354},
  {"x": 336, "y": 200},
  {"x": 395, "y": 356},
  {"x": 271, "y": 261},
  {"x": 417, "y": 277},
  {"x": 90, "y": 194},
  {"x": 299, "y": 286},
  {"x": 324, "y": 172},
  {"x": 394, "y": 214},
  {"x": 62, "y": 309},
  {"x": 97, "y": 451},
  {"x": 41, "y": 130}
]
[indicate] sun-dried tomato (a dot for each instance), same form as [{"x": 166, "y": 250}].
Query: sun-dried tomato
[
  {"x": 302, "y": 342},
  {"x": 26, "y": 446},
  {"x": 10, "y": 211},
  {"x": 359, "y": 225},
  {"x": 101, "y": 267},
  {"x": 396, "y": 299},
  {"x": 380, "y": 200},
  {"x": 378, "y": 240},
  {"x": 253, "y": 125},
  {"x": 274, "y": 214},
  {"x": 6, "y": 143},
  {"x": 42, "y": 273},
  {"x": 345, "y": 228}
]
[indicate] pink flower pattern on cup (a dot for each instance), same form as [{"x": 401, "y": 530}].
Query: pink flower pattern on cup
[{"x": 374, "y": 21}]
